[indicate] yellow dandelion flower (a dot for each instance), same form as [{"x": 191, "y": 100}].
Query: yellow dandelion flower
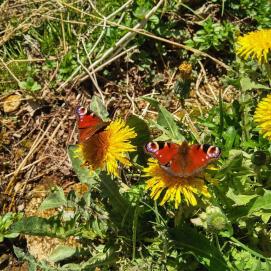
[
  {"x": 256, "y": 44},
  {"x": 174, "y": 187},
  {"x": 107, "y": 148},
  {"x": 262, "y": 116},
  {"x": 185, "y": 69}
]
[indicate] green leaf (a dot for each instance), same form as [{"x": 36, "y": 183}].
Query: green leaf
[
  {"x": 18, "y": 252},
  {"x": 102, "y": 258},
  {"x": 39, "y": 226},
  {"x": 249, "y": 250},
  {"x": 141, "y": 128},
  {"x": 119, "y": 208},
  {"x": 61, "y": 252},
  {"x": 141, "y": 11},
  {"x": 82, "y": 172},
  {"x": 55, "y": 199},
  {"x": 162, "y": 137},
  {"x": 239, "y": 199},
  {"x": 32, "y": 265},
  {"x": 30, "y": 84},
  {"x": 248, "y": 84},
  {"x": 229, "y": 137},
  {"x": 35, "y": 86},
  {"x": 166, "y": 120},
  {"x": 153, "y": 102},
  {"x": 221, "y": 114},
  {"x": 261, "y": 202},
  {"x": 189, "y": 239},
  {"x": 99, "y": 108},
  {"x": 111, "y": 191},
  {"x": 142, "y": 138},
  {"x": 154, "y": 19},
  {"x": 11, "y": 235},
  {"x": 265, "y": 216},
  {"x": 258, "y": 207}
]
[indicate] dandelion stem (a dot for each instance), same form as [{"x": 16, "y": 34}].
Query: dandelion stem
[{"x": 254, "y": 253}]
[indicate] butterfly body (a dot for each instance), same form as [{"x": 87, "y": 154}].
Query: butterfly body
[{"x": 182, "y": 160}]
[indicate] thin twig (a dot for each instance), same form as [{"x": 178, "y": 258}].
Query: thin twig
[
  {"x": 192, "y": 127},
  {"x": 21, "y": 190},
  {"x": 145, "y": 110},
  {"x": 10, "y": 72},
  {"x": 93, "y": 77},
  {"x": 63, "y": 33},
  {"x": 32, "y": 150},
  {"x": 206, "y": 81},
  {"x": 51, "y": 137},
  {"x": 131, "y": 99},
  {"x": 198, "y": 92},
  {"x": 71, "y": 135},
  {"x": 110, "y": 61},
  {"x": 31, "y": 60},
  {"x": 65, "y": 21},
  {"x": 98, "y": 40},
  {"x": 26, "y": 167}
]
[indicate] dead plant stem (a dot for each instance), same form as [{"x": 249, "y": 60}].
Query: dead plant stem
[
  {"x": 125, "y": 5},
  {"x": 10, "y": 72}
]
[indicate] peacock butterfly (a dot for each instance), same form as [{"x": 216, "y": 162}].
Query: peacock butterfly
[
  {"x": 88, "y": 124},
  {"x": 182, "y": 160}
]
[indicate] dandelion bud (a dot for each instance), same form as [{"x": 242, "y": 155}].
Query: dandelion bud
[
  {"x": 212, "y": 220},
  {"x": 215, "y": 219}
]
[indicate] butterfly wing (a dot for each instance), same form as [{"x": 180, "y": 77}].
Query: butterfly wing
[
  {"x": 168, "y": 155},
  {"x": 182, "y": 160},
  {"x": 88, "y": 124},
  {"x": 86, "y": 133},
  {"x": 193, "y": 158}
]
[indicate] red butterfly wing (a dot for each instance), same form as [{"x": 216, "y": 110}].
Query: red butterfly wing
[
  {"x": 88, "y": 124},
  {"x": 193, "y": 158},
  {"x": 87, "y": 121},
  {"x": 165, "y": 154},
  {"x": 182, "y": 160},
  {"x": 196, "y": 159}
]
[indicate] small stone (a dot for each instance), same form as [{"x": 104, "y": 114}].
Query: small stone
[
  {"x": 20, "y": 207},
  {"x": 12, "y": 103}
]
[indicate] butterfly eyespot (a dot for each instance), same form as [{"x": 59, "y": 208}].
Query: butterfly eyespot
[
  {"x": 213, "y": 152},
  {"x": 152, "y": 147},
  {"x": 81, "y": 111}
]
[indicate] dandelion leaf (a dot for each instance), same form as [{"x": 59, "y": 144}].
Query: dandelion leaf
[
  {"x": 206, "y": 253},
  {"x": 83, "y": 173},
  {"x": 61, "y": 252}
]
